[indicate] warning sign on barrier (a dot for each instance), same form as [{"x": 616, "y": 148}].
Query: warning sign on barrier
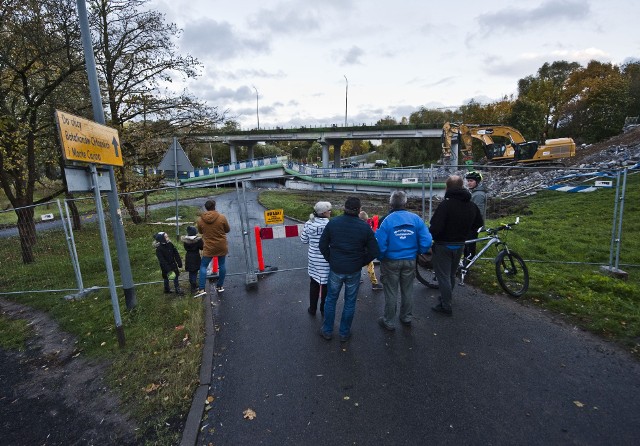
[{"x": 274, "y": 216}]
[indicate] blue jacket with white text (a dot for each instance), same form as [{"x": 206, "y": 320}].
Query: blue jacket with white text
[{"x": 402, "y": 236}]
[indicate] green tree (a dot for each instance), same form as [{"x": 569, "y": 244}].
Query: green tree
[
  {"x": 597, "y": 101},
  {"x": 529, "y": 117},
  {"x": 632, "y": 72},
  {"x": 547, "y": 90},
  {"x": 40, "y": 53}
]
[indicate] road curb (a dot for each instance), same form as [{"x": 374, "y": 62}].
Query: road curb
[{"x": 192, "y": 425}]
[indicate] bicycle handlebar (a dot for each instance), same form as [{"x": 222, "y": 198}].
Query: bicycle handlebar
[{"x": 503, "y": 226}]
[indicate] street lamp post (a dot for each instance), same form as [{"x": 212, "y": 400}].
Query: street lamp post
[
  {"x": 257, "y": 115},
  {"x": 346, "y": 99}
]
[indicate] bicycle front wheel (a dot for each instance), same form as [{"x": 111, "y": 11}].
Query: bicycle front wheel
[
  {"x": 426, "y": 276},
  {"x": 512, "y": 273}
]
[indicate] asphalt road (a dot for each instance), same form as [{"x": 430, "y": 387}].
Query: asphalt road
[{"x": 497, "y": 372}]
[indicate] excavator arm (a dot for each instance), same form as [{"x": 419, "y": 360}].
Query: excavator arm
[
  {"x": 465, "y": 143},
  {"x": 512, "y": 146},
  {"x": 484, "y": 133}
]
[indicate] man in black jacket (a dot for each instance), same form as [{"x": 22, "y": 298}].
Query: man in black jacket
[
  {"x": 348, "y": 244},
  {"x": 454, "y": 219}
]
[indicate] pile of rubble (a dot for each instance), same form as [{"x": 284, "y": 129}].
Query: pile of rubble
[{"x": 590, "y": 162}]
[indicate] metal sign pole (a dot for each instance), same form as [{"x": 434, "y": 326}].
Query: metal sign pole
[
  {"x": 112, "y": 195},
  {"x": 107, "y": 256},
  {"x": 175, "y": 177}
]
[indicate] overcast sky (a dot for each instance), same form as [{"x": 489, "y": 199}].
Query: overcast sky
[{"x": 397, "y": 55}]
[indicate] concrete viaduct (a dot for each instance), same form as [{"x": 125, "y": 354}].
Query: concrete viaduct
[{"x": 331, "y": 136}]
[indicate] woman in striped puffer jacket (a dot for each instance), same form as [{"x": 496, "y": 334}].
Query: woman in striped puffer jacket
[{"x": 318, "y": 267}]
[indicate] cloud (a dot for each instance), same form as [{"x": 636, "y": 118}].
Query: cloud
[
  {"x": 243, "y": 74},
  {"x": 528, "y": 63},
  {"x": 444, "y": 81},
  {"x": 352, "y": 56},
  {"x": 209, "y": 39},
  {"x": 225, "y": 94},
  {"x": 514, "y": 19},
  {"x": 297, "y": 17},
  {"x": 290, "y": 21}
]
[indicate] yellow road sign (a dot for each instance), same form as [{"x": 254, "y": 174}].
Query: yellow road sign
[
  {"x": 87, "y": 141},
  {"x": 274, "y": 216}
]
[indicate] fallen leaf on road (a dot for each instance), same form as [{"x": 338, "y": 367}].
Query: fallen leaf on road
[
  {"x": 578, "y": 403},
  {"x": 249, "y": 414},
  {"x": 463, "y": 354},
  {"x": 210, "y": 399}
]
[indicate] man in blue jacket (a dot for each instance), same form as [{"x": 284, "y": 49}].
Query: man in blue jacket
[
  {"x": 401, "y": 237},
  {"x": 348, "y": 244}
]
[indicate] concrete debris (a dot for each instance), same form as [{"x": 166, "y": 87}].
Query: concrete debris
[{"x": 590, "y": 164}]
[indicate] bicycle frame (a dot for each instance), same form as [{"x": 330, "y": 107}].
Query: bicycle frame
[{"x": 465, "y": 264}]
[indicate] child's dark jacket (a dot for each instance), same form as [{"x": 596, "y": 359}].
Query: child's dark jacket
[
  {"x": 193, "y": 245},
  {"x": 168, "y": 257}
]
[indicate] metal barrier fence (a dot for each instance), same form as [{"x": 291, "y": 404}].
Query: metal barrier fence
[
  {"x": 36, "y": 243},
  {"x": 507, "y": 186},
  {"x": 67, "y": 260}
]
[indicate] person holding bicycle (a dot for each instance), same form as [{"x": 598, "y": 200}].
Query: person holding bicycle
[
  {"x": 479, "y": 197},
  {"x": 453, "y": 220}
]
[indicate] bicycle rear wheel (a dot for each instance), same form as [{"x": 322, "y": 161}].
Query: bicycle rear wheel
[
  {"x": 426, "y": 276},
  {"x": 512, "y": 273}
]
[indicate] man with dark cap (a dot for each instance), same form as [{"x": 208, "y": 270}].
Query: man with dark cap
[{"x": 348, "y": 244}]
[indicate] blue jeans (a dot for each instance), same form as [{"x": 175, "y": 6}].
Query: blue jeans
[
  {"x": 351, "y": 285},
  {"x": 222, "y": 270}
]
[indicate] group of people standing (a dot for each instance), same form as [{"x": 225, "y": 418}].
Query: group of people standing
[
  {"x": 339, "y": 248},
  {"x": 208, "y": 237}
]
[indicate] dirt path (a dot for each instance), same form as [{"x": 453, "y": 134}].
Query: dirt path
[{"x": 51, "y": 395}]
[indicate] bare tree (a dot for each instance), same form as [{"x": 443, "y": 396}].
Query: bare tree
[{"x": 135, "y": 53}]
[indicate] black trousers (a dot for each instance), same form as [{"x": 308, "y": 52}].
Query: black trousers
[{"x": 317, "y": 291}]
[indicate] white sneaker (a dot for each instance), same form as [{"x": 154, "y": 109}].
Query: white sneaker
[
  {"x": 200, "y": 293},
  {"x": 220, "y": 289}
]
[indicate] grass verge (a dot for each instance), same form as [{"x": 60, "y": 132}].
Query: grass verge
[{"x": 157, "y": 371}]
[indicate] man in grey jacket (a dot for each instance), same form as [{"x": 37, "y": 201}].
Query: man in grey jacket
[{"x": 479, "y": 197}]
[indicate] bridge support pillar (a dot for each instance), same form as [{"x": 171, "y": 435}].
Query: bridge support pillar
[
  {"x": 337, "y": 144},
  {"x": 325, "y": 154},
  {"x": 250, "y": 151},
  {"x": 232, "y": 153}
]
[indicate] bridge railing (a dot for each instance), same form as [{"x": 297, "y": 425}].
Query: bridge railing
[
  {"x": 419, "y": 173},
  {"x": 246, "y": 164}
]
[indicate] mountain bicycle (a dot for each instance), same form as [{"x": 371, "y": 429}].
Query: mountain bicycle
[{"x": 511, "y": 271}]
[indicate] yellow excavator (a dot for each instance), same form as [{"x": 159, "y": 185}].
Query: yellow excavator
[{"x": 512, "y": 148}]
